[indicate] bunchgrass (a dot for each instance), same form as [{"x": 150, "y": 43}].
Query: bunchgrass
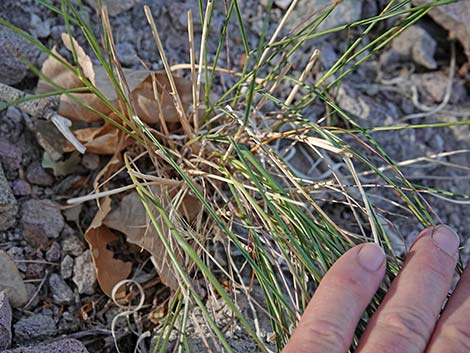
[{"x": 270, "y": 218}]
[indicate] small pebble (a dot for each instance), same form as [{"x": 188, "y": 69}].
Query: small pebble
[
  {"x": 91, "y": 161},
  {"x": 38, "y": 176},
  {"x": 16, "y": 253},
  {"x": 21, "y": 188},
  {"x": 60, "y": 290},
  {"x": 84, "y": 275},
  {"x": 41, "y": 218},
  {"x": 72, "y": 245},
  {"x": 66, "y": 267},
  {"x": 53, "y": 253}
]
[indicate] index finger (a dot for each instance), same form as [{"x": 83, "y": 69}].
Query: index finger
[{"x": 330, "y": 318}]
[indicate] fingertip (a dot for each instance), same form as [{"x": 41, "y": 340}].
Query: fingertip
[
  {"x": 443, "y": 238},
  {"x": 371, "y": 257}
]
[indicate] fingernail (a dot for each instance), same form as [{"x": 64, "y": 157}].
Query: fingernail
[
  {"x": 371, "y": 257},
  {"x": 446, "y": 239}
]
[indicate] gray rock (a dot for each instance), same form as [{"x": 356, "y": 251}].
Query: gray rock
[
  {"x": 72, "y": 245},
  {"x": 61, "y": 292},
  {"x": 5, "y": 321},
  {"x": 63, "y": 346},
  {"x": 66, "y": 267},
  {"x": 20, "y": 188},
  {"x": 91, "y": 161},
  {"x": 35, "y": 326},
  {"x": 34, "y": 299},
  {"x": 432, "y": 87},
  {"x": 346, "y": 11},
  {"x": 38, "y": 176},
  {"x": 35, "y": 270},
  {"x": 8, "y": 205},
  {"x": 40, "y": 28},
  {"x": 16, "y": 253},
  {"x": 12, "y": 48},
  {"x": 415, "y": 44},
  {"x": 54, "y": 253},
  {"x": 84, "y": 275},
  {"x": 363, "y": 107},
  {"x": 10, "y": 155},
  {"x": 115, "y": 7},
  {"x": 454, "y": 18},
  {"x": 11, "y": 281},
  {"x": 127, "y": 54},
  {"x": 41, "y": 219},
  {"x": 68, "y": 323}
]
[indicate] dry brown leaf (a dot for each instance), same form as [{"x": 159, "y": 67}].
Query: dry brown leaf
[
  {"x": 99, "y": 140},
  {"x": 131, "y": 219},
  {"x": 139, "y": 82},
  {"x": 74, "y": 107},
  {"x": 57, "y": 73},
  {"x": 109, "y": 270},
  {"x": 103, "y": 210},
  {"x": 83, "y": 59}
]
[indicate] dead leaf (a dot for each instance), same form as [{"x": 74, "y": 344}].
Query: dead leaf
[
  {"x": 157, "y": 314},
  {"x": 74, "y": 105},
  {"x": 83, "y": 59},
  {"x": 131, "y": 219},
  {"x": 58, "y": 74},
  {"x": 99, "y": 140},
  {"x": 103, "y": 211},
  {"x": 109, "y": 270}
]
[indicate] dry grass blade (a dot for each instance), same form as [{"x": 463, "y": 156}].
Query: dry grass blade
[{"x": 174, "y": 92}]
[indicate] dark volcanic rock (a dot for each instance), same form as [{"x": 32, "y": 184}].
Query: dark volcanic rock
[
  {"x": 35, "y": 326},
  {"x": 63, "y": 346}
]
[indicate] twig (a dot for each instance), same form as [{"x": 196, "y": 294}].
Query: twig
[
  {"x": 36, "y": 292},
  {"x": 41, "y": 108}
]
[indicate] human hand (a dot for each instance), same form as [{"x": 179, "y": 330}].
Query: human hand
[{"x": 408, "y": 319}]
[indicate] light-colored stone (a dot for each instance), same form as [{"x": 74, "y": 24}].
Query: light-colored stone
[
  {"x": 115, "y": 7},
  {"x": 11, "y": 281},
  {"x": 454, "y": 18},
  {"x": 346, "y": 11},
  {"x": 66, "y": 267},
  {"x": 61, "y": 292},
  {"x": 84, "y": 275},
  {"x": 416, "y": 44}
]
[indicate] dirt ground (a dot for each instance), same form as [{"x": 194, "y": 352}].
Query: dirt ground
[{"x": 387, "y": 90}]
